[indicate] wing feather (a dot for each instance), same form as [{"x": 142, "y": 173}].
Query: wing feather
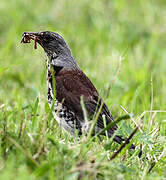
[{"x": 70, "y": 86}]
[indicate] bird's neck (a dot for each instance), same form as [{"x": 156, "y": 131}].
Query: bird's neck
[{"x": 67, "y": 62}]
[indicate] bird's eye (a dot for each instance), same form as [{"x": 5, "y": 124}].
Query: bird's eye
[{"x": 48, "y": 38}]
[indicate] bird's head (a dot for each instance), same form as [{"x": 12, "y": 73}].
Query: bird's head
[
  {"x": 50, "y": 41},
  {"x": 53, "y": 44}
]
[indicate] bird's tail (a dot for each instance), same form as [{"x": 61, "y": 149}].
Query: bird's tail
[{"x": 120, "y": 139}]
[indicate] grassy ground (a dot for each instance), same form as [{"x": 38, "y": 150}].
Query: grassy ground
[{"x": 100, "y": 34}]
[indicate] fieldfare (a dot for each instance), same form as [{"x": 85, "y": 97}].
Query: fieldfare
[{"x": 67, "y": 84}]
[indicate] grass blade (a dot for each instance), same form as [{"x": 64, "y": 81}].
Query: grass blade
[{"x": 127, "y": 141}]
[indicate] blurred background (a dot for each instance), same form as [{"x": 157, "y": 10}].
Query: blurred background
[{"x": 99, "y": 33}]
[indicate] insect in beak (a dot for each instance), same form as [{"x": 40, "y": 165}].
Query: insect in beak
[{"x": 26, "y": 38}]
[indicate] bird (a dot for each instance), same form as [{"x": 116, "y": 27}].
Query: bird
[{"x": 67, "y": 85}]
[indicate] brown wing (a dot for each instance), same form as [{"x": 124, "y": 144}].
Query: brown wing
[{"x": 70, "y": 86}]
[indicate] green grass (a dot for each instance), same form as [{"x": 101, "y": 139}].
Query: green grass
[{"x": 99, "y": 33}]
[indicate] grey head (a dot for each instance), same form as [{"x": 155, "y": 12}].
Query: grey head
[{"x": 55, "y": 47}]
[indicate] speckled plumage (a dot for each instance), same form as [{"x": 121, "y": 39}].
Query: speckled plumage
[
  {"x": 61, "y": 113},
  {"x": 70, "y": 84}
]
